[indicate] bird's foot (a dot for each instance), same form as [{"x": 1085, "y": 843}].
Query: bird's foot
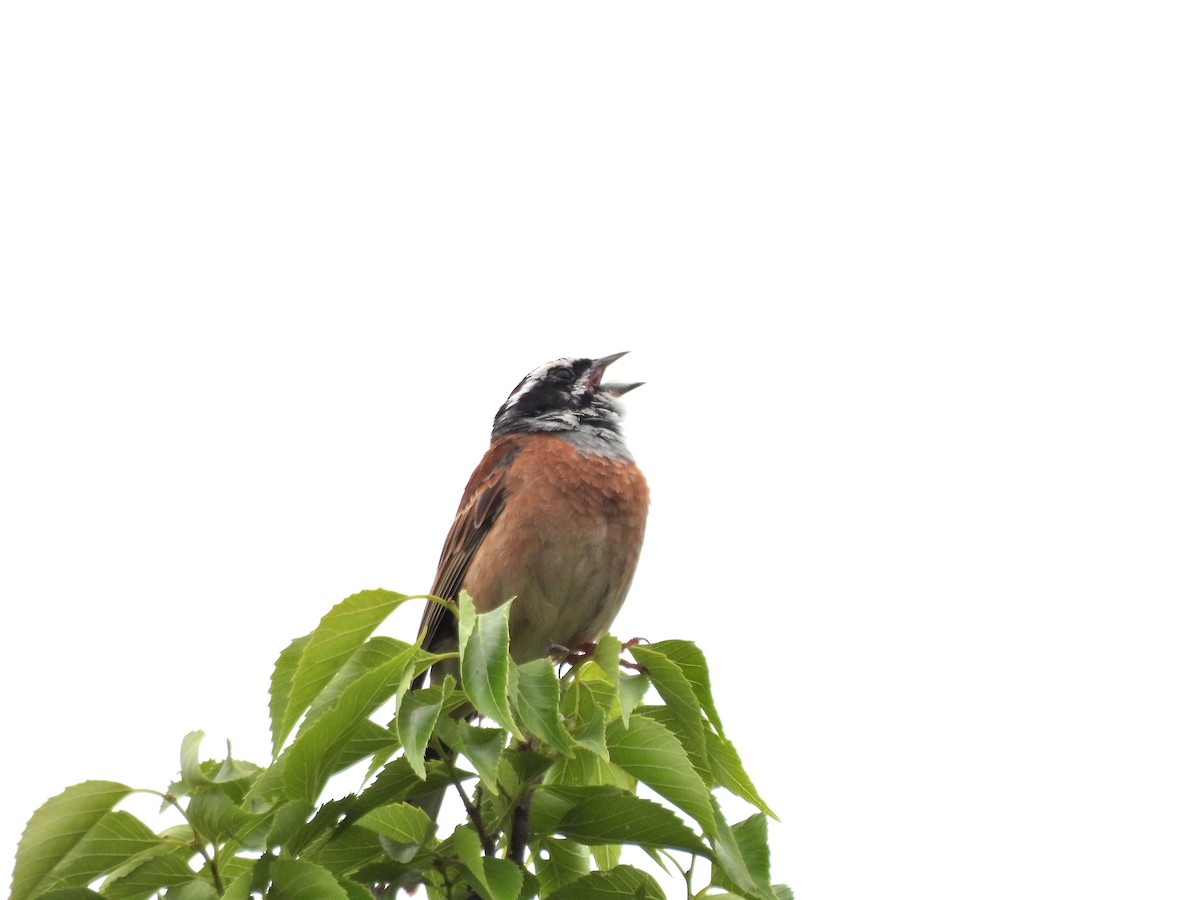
[
  {"x": 573, "y": 656},
  {"x": 561, "y": 653},
  {"x": 632, "y": 642},
  {"x": 583, "y": 651}
]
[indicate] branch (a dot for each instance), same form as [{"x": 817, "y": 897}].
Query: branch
[
  {"x": 473, "y": 813},
  {"x": 518, "y": 838}
]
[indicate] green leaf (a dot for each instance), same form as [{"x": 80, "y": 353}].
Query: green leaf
[
  {"x": 397, "y": 781},
  {"x": 287, "y": 821},
  {"x": 690, "y": 660},
  {"x": 608, "y": 856},
  {"x": 483, "y": 749},
  {"x": 537, "y": 702},
  {"x": 116, "y": 839},
  {"x": 677, "y": 693},
  {"x": 231, "y": 866},
  {"x": 214, "y": 815},
  {"x": 374, "y": 653},
  {"x": 618, "y": 883},
  {"x": 451, "y": 699},
  {"x": 418, "y": 713},
  {"x": 585, "y": 768},
  {"x": 282, "y": 677},
  {"x": 189, "y": 760},
  {"x": 609, "y": 815},
  {"x": 314, "y": 755},
  {"x": 493, "y": 879},
  {"x": 469, "y": 851},
  {"x": 295, "y": 879},
  {"x": 650, "y": 753},
  {"x": 405, "y": 826},
  {"x": 632, "y": 689},
  {"x": 481, "y": 746},
  {"x": 234, "y": 770},
  {"x": 341, "y": 631},
  {"x": 355, "y": 891},
  {"x": 267, "y": 790},
  {"x": 260, "y": 874},
  {"x": 521, "y": 766},
  {"x": 727, "y": 770},
  {"x": 561, "y": 862},
  {"x": 593, "y": 736},
  {"x": 239, "y": 888},
  {"x": 56, "y": 829},
  {"x": 483, "y": 638},
  {"x": 71, "y": 894},
  {"x": 160, "y": 867},
  {"x": 743, "y": 859},
  {"x": 503, "y": 878},
  {"x": 601, "y": 673},
  {"x": 350, "y": 850},
  {"x": 751, "y": 836},
  {"x": 697, "y": 755},
  {"x": 368, "y": 739},
  {"x": 586, "y": 716},
  {"x": 192, "y": 890},
  {"x": 657, "y": 856},
  {"x": 608, "y": 658},
  {"x": 195, "y": 773},
  {"x": 329, "y": 816}
]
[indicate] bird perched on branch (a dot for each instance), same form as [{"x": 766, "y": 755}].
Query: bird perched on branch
[{"x": 553, "y": 515}]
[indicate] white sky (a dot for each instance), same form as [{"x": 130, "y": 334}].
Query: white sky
[{"x": 913, "y": 288}]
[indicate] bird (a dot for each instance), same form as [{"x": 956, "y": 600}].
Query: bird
[{"x": 553, "y": 517}]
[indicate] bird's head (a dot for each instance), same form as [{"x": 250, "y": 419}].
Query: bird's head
[{"x": 566, "y": 395}]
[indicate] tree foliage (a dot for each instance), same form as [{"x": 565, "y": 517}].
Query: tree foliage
[{"x": 549, "y": 783}]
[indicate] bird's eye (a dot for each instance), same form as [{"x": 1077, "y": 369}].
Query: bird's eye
[{"x": 561, "y": 373}]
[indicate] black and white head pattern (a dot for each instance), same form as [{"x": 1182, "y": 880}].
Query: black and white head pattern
[{"x": 566, "y": 396}]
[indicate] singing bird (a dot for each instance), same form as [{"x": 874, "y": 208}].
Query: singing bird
[{"x": 553, "y": 516}]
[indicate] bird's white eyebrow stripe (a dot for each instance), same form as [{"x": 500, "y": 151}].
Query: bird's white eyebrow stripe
[{"x": 532, "y": 379}]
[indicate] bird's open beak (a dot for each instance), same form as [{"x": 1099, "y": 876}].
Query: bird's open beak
[{"x": 617, "y": 388}]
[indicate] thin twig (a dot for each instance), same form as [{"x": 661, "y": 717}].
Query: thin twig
[
  {"x": 518, "y": 838},
  {"x": 476, "y": 817},
  {"x": 210, "y": 861}
]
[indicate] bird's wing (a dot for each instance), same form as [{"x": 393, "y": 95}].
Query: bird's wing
[{"x": 482, "y": 502}]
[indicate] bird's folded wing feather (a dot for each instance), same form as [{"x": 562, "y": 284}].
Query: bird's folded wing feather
[{"x": 482, "y": 502}]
